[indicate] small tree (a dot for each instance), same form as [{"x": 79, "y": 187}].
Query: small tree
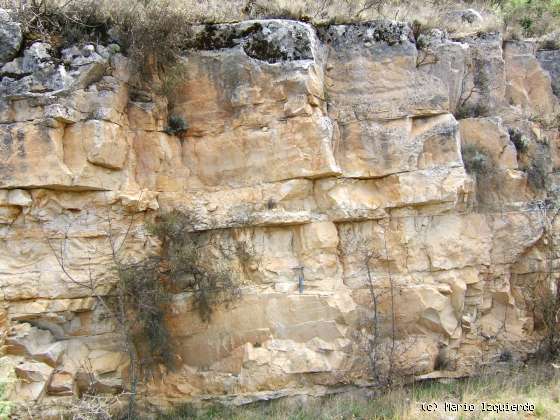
[
  {"x": 546, "y": 298},
  {"x": 377, "y": 348},
  {"x": 144, "y": 288}
]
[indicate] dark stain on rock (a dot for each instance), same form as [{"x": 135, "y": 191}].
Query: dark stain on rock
[
  {"x": 378, "y": 31},
  {"x": 293, "y": 45},
  {"x": 267, "y": 41},
  {"x": 20, "y": 143},
  {"x": 260, "y": 48},
  {"x": 216, "y": 37},
  {"x": 7, "y": 141}
]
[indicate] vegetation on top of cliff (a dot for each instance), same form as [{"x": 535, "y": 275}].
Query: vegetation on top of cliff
[
  {"x": 161, "y": 27},
  {"x": 155, "y": 33},
  {"x": 528, "y": 18}
]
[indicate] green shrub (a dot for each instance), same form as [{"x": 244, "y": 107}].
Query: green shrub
[
  {"x": 189, "y": 411},
  {"x": 176, "y": 125},
  {"x": 145, "y": 296},
  {"x": 476, "y": 160},
  {"x": 547, "y": 306},
  {"x": 5, "y": 405},
  {"x": 549, "y": 44},
  {"x": 183, "y": 265},
  {"x": 531, "y": 17},
  {"x": 536, "y": 175},
  {"x": 61, "y": 23},
  {"x": 519, "y": 140},
  {"x": 471, "y": 111},
  {"x": 189, "y": 268}
]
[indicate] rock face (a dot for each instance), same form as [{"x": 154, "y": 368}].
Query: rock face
[
  {"x": 10, "y": 37},
  {"x": 333, "y": 153},
  {"x": 549, "y": 60}
]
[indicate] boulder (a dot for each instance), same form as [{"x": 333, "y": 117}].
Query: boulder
[
  {"x": 62, "y": 384},
  {"x": 34, "y": 378},
  {"x": 457, "y": 20},
  {"x": 34, "y": 343}
]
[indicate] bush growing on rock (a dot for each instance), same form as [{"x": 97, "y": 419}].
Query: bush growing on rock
[
  {"x": 548, "y": 305},
  {"x": 476, "y": 160},
  {"x": 519, "y": 140},
  {"x": 471, "y": 111},
  {"x": 186, "y": 263},
  {"x": 536, "y": 175},
  {"x": 176, "y": 125},
  {"x": 182, "y": 265}
]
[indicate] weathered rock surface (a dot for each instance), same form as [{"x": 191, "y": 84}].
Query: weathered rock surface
[
  {"x": 549, "y": 59},
  {"x": 528, "y": 84},
  {"x": 10, "y": 37},
  {"x": 333, "y": 153}
]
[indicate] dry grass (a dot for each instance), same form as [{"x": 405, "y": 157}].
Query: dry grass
[
  {"x": 538, "y": 385},
  {"x": 139, "y": 21},
  {"x": 315, "y": 11},
  {"x": 155, "y": 32}
]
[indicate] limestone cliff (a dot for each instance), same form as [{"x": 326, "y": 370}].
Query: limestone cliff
[{"x": 320, "y": 147}]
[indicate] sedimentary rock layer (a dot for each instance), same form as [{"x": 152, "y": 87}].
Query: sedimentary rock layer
[{"x": 333, "y": 152}]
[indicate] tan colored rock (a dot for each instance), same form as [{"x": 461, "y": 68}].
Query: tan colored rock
[
  {"x": 146, "y": 116},
  {"x": 62, "y": 383},
  {"x": 215, "y": 160},
  {"x": 34, "y": 343},
  {"x": 29, "y": 309},
  {"x": 371, "y": 74},
  {"x": 490, "y": 136},
  {"x": 373, "y": 149},
  {"x": 428, "y": 307},
  {"x": 456, "y": 242},
  {"x": 529, "y": 86},
  {"x": 447, "y": 60},
  {"x": 484, "y": 85},
  {"x": 96, "y": 160},
  {"x": 105, "y": 100},
  {"x": 245, "y": 123},
  {"x": 416, "y": 355},
  {"x": 288, "y": 202},
  {"x": 356, "y": 199},
  {"x": 104, "y": 143},
  {"x": 277, "y": 318},
  {"x": 19, "y": 198},
  {"x": 139, "y": 201},
  {"x": 32, "y": 156},
  {"x": 34, "y": 377},
  {"x": 62, "y": 113},
  {"x": 317, "y": 245},
  {"x": 330, "y": 158},
  {"x": 8, "y": 214},
  {"x": 159, "y": 162},
  {"x": 105, "y": 361},
  {"x": 514, "y": 234},
  {"x": 508, "y": 186}
]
